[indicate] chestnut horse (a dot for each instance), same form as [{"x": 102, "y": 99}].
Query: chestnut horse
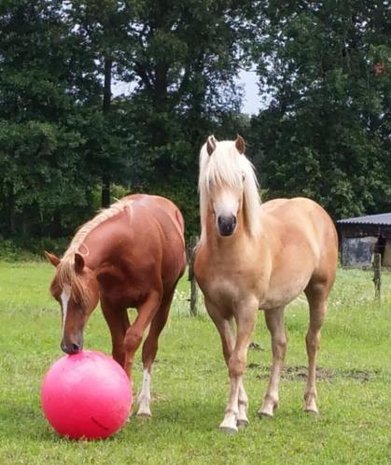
[
  {"x": 130, "y": 255},
  {"x": 252, "y": 256}
]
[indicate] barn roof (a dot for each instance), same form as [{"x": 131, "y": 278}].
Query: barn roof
[{"x": 382, "y": 219}]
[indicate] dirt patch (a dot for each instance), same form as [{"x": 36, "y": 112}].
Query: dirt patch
[
  {"x": 294, "y": 373},
  {"x": 255, "y": 346}
]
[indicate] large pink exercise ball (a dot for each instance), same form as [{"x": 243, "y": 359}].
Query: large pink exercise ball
[{"x": 86, "y": 395}]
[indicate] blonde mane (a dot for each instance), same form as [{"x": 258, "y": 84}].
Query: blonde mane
[
  {"x": 227, "y": 167},
  {"x": 66, "y": 274}
]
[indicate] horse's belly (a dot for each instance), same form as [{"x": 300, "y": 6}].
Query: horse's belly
[{"x": 280, "y": 294}]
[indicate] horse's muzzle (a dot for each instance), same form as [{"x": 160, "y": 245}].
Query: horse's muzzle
[
  {"x": 71, "y": 347},
  {"x": 226, "y": 225}
]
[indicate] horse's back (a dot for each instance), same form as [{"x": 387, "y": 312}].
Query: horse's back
[
  {"x": 161, "y": 211},
  {"x": 143, "y": 245},
  {"x": 152, "y": 202},
  {"x": 302, "y": 221},
  {"x": 157, "y": 223},
  {"x": 303, "y": 214}
]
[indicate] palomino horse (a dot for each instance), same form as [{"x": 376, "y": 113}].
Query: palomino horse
[
  {"x": 130, "y": 255},
  {"x": 252, "y": 256}
]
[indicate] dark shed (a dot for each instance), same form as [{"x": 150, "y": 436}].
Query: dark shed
[{"x": 362, "y": 236}]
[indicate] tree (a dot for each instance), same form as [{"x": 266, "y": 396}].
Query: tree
[
  {"x": 103, "y": 26},
  {"x": 39, "y": 140},
  {"x": 185, "y": 60},
  {"x": 63, "y": 133},
  {"x": 326, "y": 131}
]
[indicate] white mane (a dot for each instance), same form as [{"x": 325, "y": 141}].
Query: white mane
[{"x": 227, "y": 167}]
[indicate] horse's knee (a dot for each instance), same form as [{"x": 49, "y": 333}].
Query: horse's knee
[
  {"x": 133, "y": 338},
  {"x": 236, "y": 365}
]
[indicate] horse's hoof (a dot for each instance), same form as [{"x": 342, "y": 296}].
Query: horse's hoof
[
  {"x": 229, "y": 429},
  {"x": 312, "y": 411},
  {"x": 144, "y": 416},
  {"x": 242, "y": 424},
  {"x": 265, "y": 414},
  {"x": 144, "y": 412}
]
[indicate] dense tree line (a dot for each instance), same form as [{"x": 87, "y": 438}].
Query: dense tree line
[
  {"x": 327, "y": 130},
  {"x": 69, "y": 142}
]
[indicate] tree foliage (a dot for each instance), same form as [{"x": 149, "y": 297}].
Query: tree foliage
[
  {"x": 40, "y": 144},
  {"x": 326, "y": 133},
  {"x": 63, "y": 132},
  {"x": 68, "y": 135}
]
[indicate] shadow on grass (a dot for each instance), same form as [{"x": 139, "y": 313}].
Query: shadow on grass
[{"x": 24, "y": 422}]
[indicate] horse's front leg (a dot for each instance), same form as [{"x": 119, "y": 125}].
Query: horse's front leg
[
  {"x": 235, "y": 354},
  {"x": 134, "y": 334},
  {"x": 275, "y": 322},
  {"x": 118, "y": 322}
]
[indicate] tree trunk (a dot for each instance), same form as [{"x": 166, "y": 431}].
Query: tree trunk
[
  {"x": 105, "y": 199},
  {"x": 10, "y": 214}
]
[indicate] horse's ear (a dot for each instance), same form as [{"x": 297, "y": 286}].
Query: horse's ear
[
  {"x": 240, "y": 144},
  {"x": 211, "y": 144},
  {"x": 53, "y": 259},
  {"x": 79, "y": 263}
]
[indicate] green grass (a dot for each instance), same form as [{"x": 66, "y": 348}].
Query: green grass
[{"x": 190, "y": 384}]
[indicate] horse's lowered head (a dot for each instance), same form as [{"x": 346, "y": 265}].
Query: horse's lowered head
[
  {"x": 76, "y": 289},
  {"x": 227, "y": 183}
]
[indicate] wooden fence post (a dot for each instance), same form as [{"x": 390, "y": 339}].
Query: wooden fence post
[
  {"x": 193, "y": 284},
  {"x": 377, "y": 274}
]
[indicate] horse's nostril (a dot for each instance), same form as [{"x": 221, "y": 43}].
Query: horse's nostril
[
  {"x": 72, "y": 348},
  {"x": 75, "y": 347}
]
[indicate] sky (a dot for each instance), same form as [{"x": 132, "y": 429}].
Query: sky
[
  {"x": 248, "y": 79},
  {"x": 252, "y": 99}
]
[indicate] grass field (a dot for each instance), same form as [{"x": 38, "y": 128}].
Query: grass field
[{"x": 190, "y": 384}]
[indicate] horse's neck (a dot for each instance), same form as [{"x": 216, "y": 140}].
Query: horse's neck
[{"x": 93, "y": 248}]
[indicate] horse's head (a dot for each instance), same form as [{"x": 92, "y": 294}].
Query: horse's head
[
  {"x": 76, "y": 289},
  {"x": 226, "y": 176}
]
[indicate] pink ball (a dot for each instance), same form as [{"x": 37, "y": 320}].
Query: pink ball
[{"x": 86, "y": 395}]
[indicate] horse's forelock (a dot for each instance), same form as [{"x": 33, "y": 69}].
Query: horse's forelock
[
  {"x": 226, "y": 167},
  {"x": 67, "y": 276}
]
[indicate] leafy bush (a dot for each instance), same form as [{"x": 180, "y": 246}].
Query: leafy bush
[{"x": 30, "y": 249}]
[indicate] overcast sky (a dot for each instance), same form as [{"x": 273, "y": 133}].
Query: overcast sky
[
  {"x": 252, "y": 100},
  {"x": 248, "y": 79}
]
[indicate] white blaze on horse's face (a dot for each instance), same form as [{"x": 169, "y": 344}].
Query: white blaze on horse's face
[
  {"x": 226, "y": 205},
  {"x": 73, "y": 320},
  {"x": 65, "y": 297}
]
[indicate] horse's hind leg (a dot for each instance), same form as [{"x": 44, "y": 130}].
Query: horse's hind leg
[
  {"x": 150, "y": 348},
  {"x": 275, "y": 323},
  {"x": 316, "y": 295}
]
